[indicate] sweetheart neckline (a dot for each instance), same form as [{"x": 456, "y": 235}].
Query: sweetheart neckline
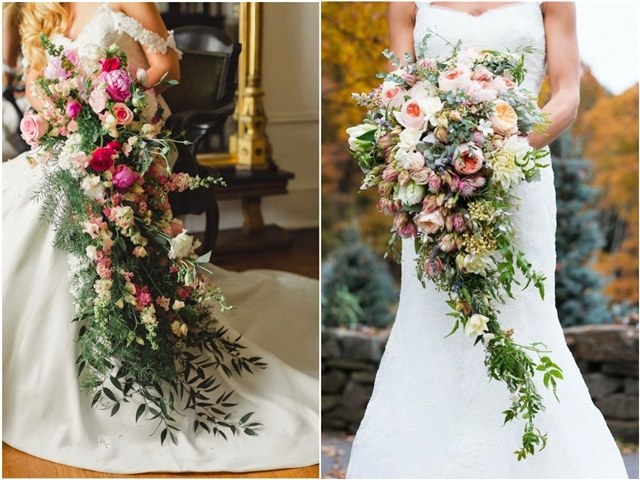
[{"x": 482, "y": 14}]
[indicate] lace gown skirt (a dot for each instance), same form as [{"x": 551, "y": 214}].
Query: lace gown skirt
[
  {"x": 435, "y": 414},
  {"x": 46, "y": 415}
]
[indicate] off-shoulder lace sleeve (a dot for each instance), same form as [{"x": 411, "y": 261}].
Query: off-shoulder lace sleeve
[{"x": 154, "y": 42}]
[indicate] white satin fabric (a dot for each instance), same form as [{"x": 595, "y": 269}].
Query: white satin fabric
[
  {"x": 433, "y": 412},
  {"x": 46, "y": 415}
]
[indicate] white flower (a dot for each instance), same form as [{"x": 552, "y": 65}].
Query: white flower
[
  {"x": 466, "y": 57},
  {"x": 457, "y": 79},
  {"x": 519, "y": 146},
  {"x": 177, "y": 305},
  {"x": 484, "y": 127},
  {"x": 515, "y": 398},
  {"x": 148, "y": 315},
  {"x": 91, "y": 252},
  {"x": 92, "y": 186},
  {"x": 476, "y": 325},
  {"x": 409, "y": 137},
  {"x": 355, "y": 143},
  {"x": 478, "y": 263},
  {"x": 505, "y": 170},
  {"x": 180, "y": 245},
  {"x": 412, "y": 161},
  {"x": 486, "y": 338},
  {"x": 410, "y": 194}
]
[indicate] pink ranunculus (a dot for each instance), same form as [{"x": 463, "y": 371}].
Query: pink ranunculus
[
  {"x": 73, "y": 109},
  {"x": 123, "y": 177},
  {"x": 468, "y": 159},
  {"x": 118, "y": 85},
  {"x": 388, "y": 206},
  {"x": 114, "y": 145},
  {"x": 110, "y": 64},
  {"x": 482, "y": 73},
  {"x": 102, "y": 159},
  {"x": 458, "y": 222},
  {"x": 98, "y": 100},
  {"x": 435, "y": 183},
  {"x": 429, "y": 222},
  {"x": 33, "y": 126},
  {"x": 123, "y": 114}
]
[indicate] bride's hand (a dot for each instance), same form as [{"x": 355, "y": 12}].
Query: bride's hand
[
  {"x": 159, "y": 63},
  {"x": 563, "y": 69}
]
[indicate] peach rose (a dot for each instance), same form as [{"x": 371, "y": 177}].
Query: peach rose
[
  {"x": 124, "y": 116},
  {"x": 504, "y": 120},
  {"x": 456, "y": 79},
  {"x": 468, "y": 159},
  {"x": 429, "y": 222}
]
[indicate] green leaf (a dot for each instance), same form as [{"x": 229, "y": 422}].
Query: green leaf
[
  {"x": 248, "y": 431},
  {"x": 115, "y": 409},
  {"x": 163, "y": 436},
  {"x": 246, "y": 417},
  {"x": 110, "y": 394},
  {"x": 140, "y": 411}
]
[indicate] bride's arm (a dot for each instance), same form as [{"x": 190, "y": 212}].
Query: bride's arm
[
  {"x": 401, "y": 22},
  {"x": 563, "y": 67},
  {"x": 159, "y": 63}
]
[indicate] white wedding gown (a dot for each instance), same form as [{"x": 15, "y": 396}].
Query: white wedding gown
[
  {"x": 44, "y": 412},
  {"x": 433, "y": 412}
]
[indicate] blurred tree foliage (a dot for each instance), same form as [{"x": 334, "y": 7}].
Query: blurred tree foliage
[
  {"x": 612, "y": 125},
  {"x": 357, "y": 287}
]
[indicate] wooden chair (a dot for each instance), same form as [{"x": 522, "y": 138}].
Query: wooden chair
[{"x": 200, "y": 105}]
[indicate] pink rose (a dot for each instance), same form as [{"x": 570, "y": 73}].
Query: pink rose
[
  {"x": 411, "y": 115},
  {"x": 429, "y": 222},
  {"x": 73, "y": 109},
  {"x": 102, "y": 159},
  {"x": 110, "y": 64},
  {"x": 98, "y": 100},
  {"x": 123, "y": 177},
  {"x": 118, "y": 85},
  {"x": 123, "y": 114},
  {"x": 481, "y": 73},
  {"x": 33, "y": 126},
  {"x": 468, "y": 158}
]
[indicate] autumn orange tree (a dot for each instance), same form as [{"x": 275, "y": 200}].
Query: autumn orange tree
[
  {"x": 353, "y": 38},
  {"x": 612, "y": 126}
]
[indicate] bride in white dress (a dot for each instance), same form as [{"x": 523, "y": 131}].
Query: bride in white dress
[
  {"x": 44, "y": 412},
  {"x": 433, "y": 412}
]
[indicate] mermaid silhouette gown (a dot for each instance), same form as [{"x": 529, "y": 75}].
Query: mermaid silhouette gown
[
  {"x": 433, "y": 412},
  {"x": 44, "y": 412}
]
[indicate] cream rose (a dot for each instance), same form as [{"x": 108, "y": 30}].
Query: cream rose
[
  {"x": 504, "y": 120},
  {"x": 180, "y": 245},
  {"x": 476, "y": 325},
  {"x": 429, "y": 222}
]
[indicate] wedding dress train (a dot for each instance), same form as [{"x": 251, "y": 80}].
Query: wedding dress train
[
  {"x": 44, "y": 412},
  {"x": 433, "y": 412}
]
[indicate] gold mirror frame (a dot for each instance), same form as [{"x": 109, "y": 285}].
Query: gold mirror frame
[{"x": 249, "y": 147}]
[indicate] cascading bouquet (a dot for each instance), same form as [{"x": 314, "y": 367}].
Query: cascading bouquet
[
  {"x": 445, "y": 142},
  {"x": 148, "y": 332}
]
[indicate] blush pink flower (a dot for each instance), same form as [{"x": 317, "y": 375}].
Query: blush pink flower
[
  {"x": 118, "y": 84},
  {"x": 143, "y": 297},
  {"x": 33, "y": 127},
  {"x": 468, "y": 159},
  {"x": 123, "y": 177},
  {"x": 98, "y": 99},
  {"x": 124, "y": 116},
  {"x": 404, "y": 226},
  {"x": 73, "y": 109}
]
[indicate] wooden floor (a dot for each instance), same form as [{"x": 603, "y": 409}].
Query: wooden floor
[{"x": 303, "y": 258}]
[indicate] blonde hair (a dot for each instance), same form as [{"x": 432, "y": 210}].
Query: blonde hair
[{"x": 49, "y": 18}]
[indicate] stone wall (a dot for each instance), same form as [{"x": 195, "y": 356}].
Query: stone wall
[{"x": 606, "y": 354}]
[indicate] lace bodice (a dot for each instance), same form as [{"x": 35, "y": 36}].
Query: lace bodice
[
  {"x": 108, "y": 27},
  {"x": 510, "y": 27}
]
